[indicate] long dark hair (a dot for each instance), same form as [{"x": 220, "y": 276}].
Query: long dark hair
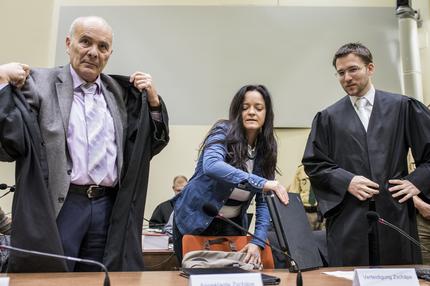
[{"x": 235, "y": 140}]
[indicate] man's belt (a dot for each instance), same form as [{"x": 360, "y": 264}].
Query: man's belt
[
  {"x": 91, "y": 191},
  {"x": 311, "y": 209}
]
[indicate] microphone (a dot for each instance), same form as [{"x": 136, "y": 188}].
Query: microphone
[
  {"x": 106, "y": 281},
  {"x": 5, "y": 187},
  {"x": 374, "y": 216},
  {"x": 373, "y": 237},
  {"x": 211, "y": 210}
]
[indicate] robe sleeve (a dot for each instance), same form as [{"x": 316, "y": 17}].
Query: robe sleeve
[
  {"x": 328, "y": 180},
  {"x": 160, "y": 135},
  {"x": 418, "y": 138},
  {"x": 12, "y": 140}
]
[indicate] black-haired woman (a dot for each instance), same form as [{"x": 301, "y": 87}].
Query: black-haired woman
[{"x": 237, "y": 162}]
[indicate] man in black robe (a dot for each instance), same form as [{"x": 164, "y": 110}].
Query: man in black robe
[
  {"x": 356, "y": 159},
  {"x": 163, "y": 211}
]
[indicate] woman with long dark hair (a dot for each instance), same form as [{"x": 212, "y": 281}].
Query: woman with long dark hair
[{"x": 237, "y": 162}]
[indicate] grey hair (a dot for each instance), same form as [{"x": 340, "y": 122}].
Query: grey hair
[
  {"x": 179, "y": 177},
  {"x": 88, "y": 18}
]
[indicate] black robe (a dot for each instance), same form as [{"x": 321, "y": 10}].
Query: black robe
[
  {"x": 339, "y": 148},
  {"x": 145, "y": 138},
  {"x": 161, "y": 214},
  {"x": 34, "y": 222},
  {"x": 33, "y": 225}
]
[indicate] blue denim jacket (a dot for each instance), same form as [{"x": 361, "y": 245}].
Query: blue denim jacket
[{"x": 213, "y": 182}]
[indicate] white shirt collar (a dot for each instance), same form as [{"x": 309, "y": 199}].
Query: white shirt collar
[
  {"x": 78, "y": 81},
  {"x": 370, "y": 96}
]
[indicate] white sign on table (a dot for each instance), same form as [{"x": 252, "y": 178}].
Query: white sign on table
[
  {"x": 242, "y": 279},
  {"x": 385, "y": 277},
  {"x": 4, "y": 281}
]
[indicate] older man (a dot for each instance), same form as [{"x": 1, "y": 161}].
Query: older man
[
  {"x": 356, "y": 159},
  {"x": 97, "y": 150}
]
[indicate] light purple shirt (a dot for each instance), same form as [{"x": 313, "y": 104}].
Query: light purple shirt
[{"x": 77, "y": 137}]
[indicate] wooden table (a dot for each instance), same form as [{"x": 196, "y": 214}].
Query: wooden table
[
  {"x": 165, "y": 278},
  {"x": 160, "y": 260}
]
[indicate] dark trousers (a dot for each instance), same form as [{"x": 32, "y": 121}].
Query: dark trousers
[
  {"x": 83, "y": 225},
  {"x": 218, "y": 227}
]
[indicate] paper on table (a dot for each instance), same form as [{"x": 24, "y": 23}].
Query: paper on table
[
  {"x": 153, "y": 240},
  {"x": 4, "y": 281},
  {"x": 341, "y": 274}
]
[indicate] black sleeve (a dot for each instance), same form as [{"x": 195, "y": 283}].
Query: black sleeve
[
  {"x": 418, "y": 138},
  {"x": 328, "y": 180},
  {"x": 156, "y": 217},
  {"x": 160, "y": 136},
  {"x": 12, "y": 126}
]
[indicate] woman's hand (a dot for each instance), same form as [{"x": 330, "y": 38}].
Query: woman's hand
[
  {"x": 253, "y": 254},
  {"x": 279, "y": 190}
]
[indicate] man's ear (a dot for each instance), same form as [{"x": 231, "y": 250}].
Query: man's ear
[
  {"x": 371, "y": 68},
  {"x": 68, "y": 41}
]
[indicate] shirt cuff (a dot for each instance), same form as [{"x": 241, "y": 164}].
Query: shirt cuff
[
  {"x": 3, "y": 85},
  {"x": 254, "y": 183},
  {"x": 156, "y": 115}
]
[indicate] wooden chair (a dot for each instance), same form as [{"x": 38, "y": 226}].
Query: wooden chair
[{"x": 224, "y": 243}]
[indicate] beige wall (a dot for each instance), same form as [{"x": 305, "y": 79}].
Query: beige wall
[
  {"x": 26, "y": 31},
  {"x": 26, "y": 37},
  {"x": 339, "y": 3},
  {"x": 424, "y": 37},
  {"x": 29, "y": 32}
]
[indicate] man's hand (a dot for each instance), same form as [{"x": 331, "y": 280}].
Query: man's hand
[
  {"x": 278, "y": 189},
  {"x": 14, "y": 74},
  {"x": 422, "y": 207},
  {"x": 253, "y": 254},
  {"x": 144, "y": 81},
  {"x": 403, "y": 188},
  {"x": 362, "y": 188}
]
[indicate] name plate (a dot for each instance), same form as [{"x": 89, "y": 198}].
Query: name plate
[
  {"x": 4, "y": 281},
  {"x": 385, "y": 277},
  {"x": 242, "y": 279}
]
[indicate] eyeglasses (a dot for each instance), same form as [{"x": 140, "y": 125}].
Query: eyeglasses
[{"x": 351, "y": 71}]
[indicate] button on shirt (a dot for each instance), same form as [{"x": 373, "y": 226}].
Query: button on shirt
[{"x": 77, "y": 137}]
